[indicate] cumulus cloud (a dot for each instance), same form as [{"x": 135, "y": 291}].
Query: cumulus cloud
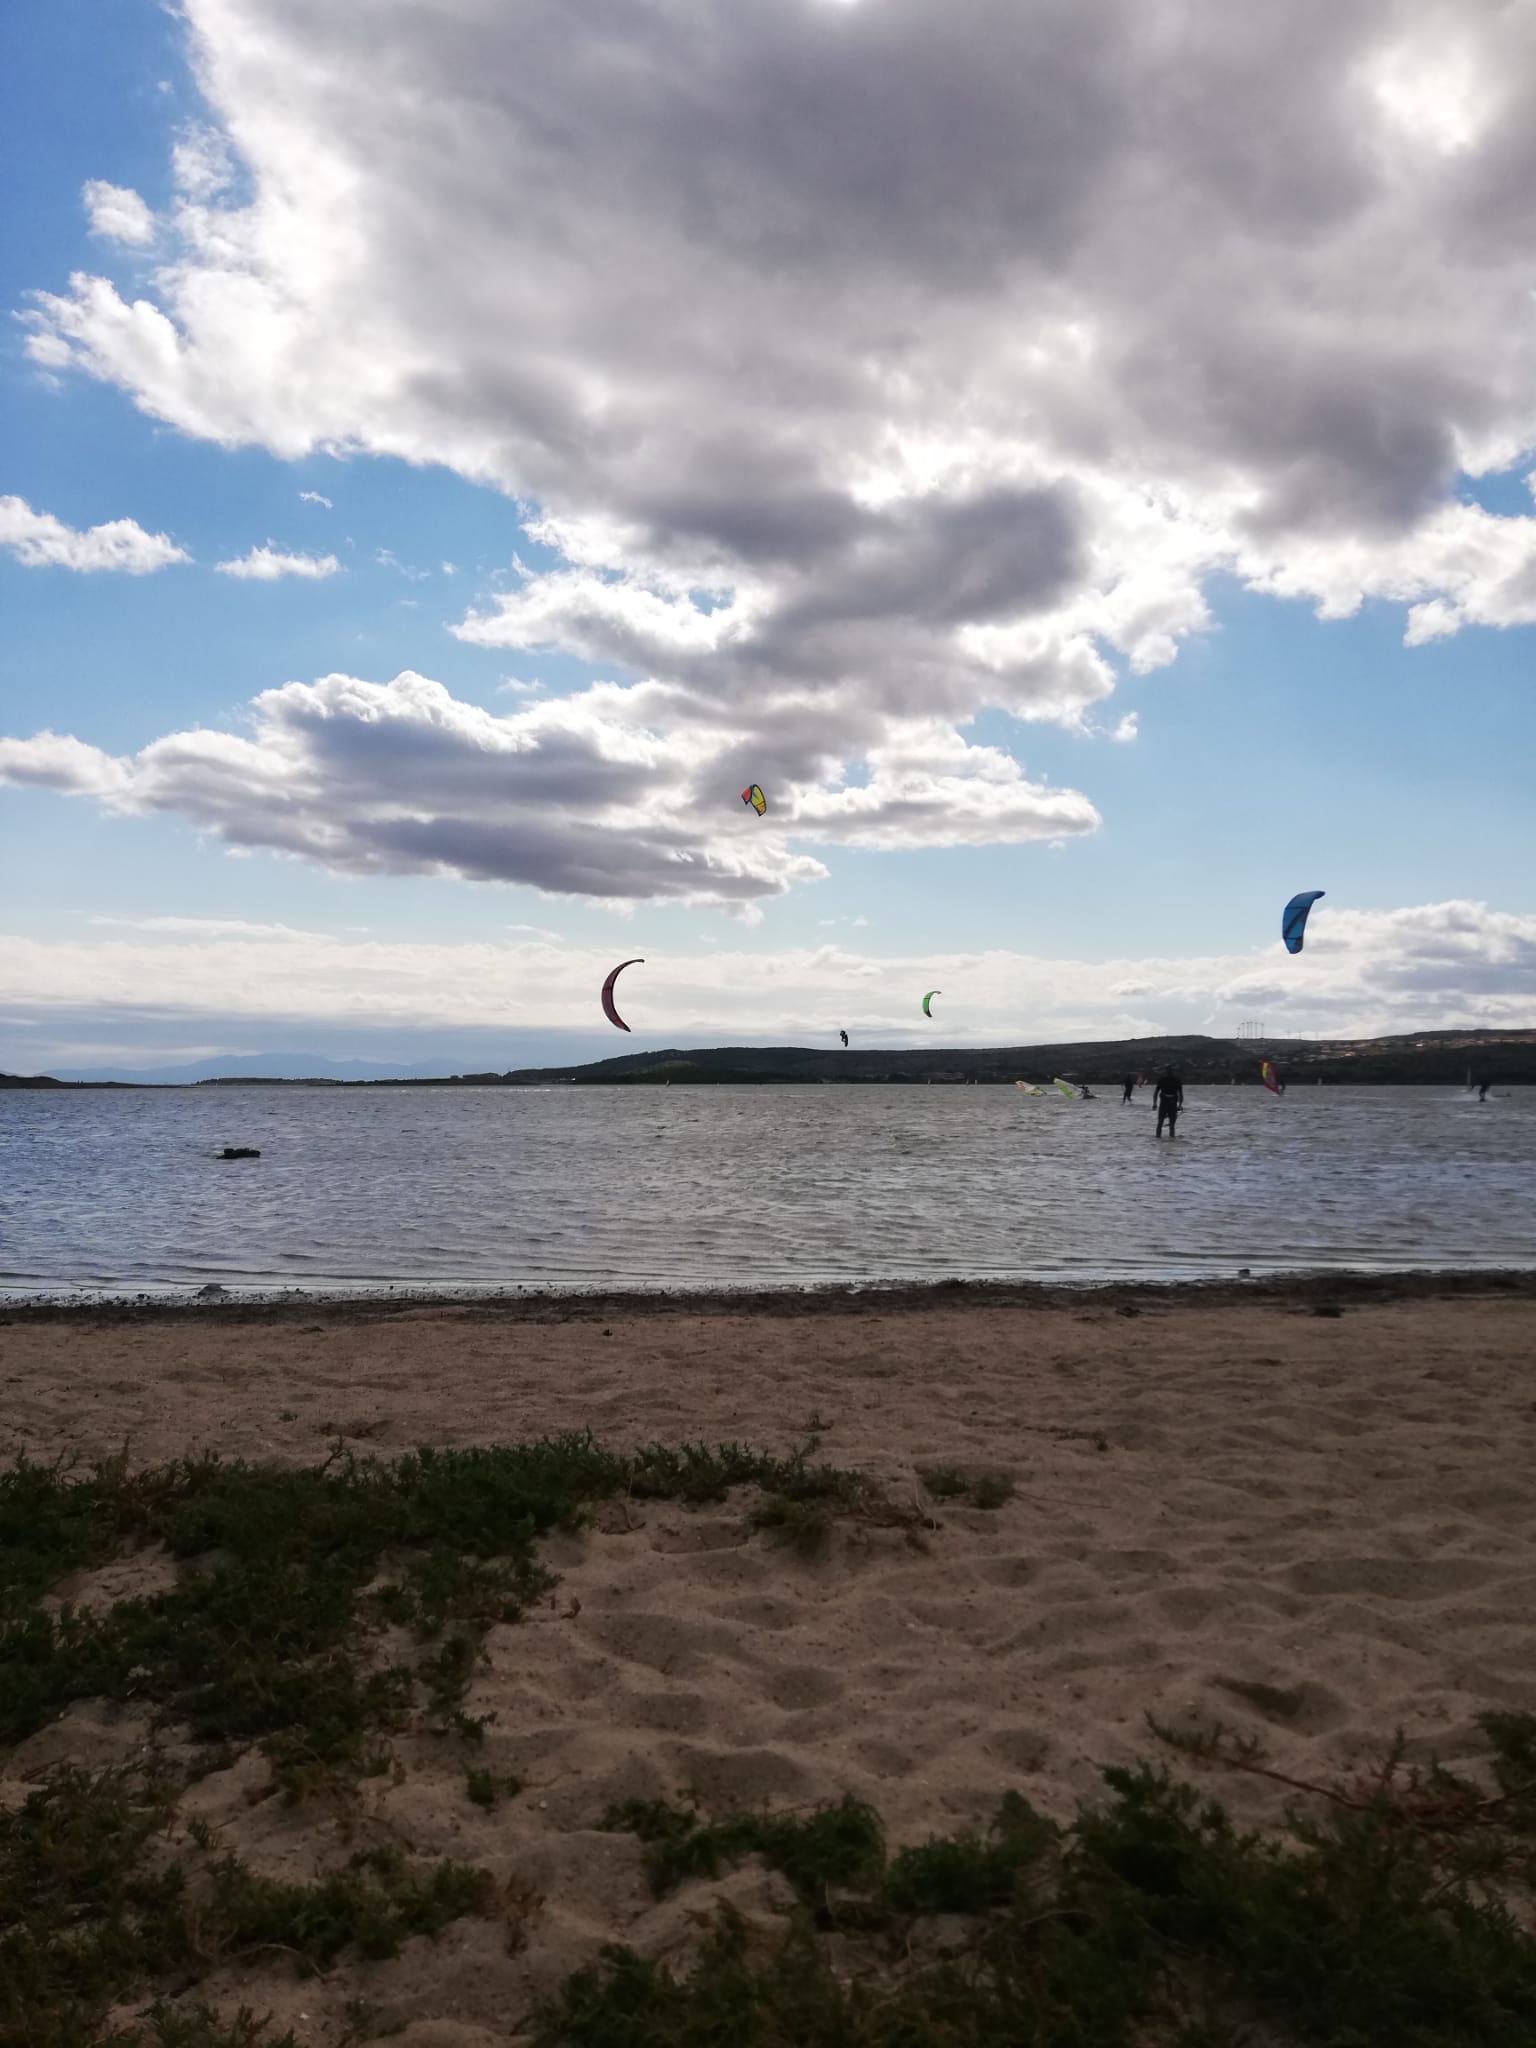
[
  {"x": 1459, "y": 964},
  {"x": 609, "y": 793},
  {"x": 870, "y": 366},
  {"x": 117, "y": 213},
  {"x": 43, "y": 542},
  {"x": 266, "y": 565},
  {"x": 570, "y": 796},
  {"x": 51, "y": 760}
]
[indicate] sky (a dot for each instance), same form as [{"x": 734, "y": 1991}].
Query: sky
[{"x": 1078, "y": 456}]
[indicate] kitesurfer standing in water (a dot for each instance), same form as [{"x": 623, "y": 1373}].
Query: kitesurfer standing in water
[
  {"x": 1128, "y": 1088},
  {"x": 1168, "y": 1100}
]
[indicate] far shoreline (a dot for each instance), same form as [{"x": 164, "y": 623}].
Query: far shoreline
[{"x": 1309, "y": 1288}]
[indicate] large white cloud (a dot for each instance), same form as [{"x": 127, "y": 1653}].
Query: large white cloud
[
  {"x": 872, "y": 365},
  {"x": 578, "y": 796},
  {"x": 1447, "y": 964},
  {"x": 43, "y": 542}
]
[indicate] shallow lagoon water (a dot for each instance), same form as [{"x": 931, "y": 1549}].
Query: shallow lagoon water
[{"x": 491, "y": 1188}]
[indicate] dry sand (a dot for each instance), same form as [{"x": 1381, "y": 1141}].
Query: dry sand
[{"x": 1316, "y": 1527}]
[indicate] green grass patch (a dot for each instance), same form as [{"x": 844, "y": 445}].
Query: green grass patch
[
  {"x": 286, "y": 1578},
  {"x": 991, "y": 1490},
  {"x": 374, "y": 1905},
  {"x": 200, "y": 2027},
  {"x": 95, "y": 1906},
  {"x": 1393, "y": 1913},
  {"x": 944, "y": 1482},
  {"x": 978, "y": 1489},
  {"x": 489, "y": 1788},
  {"x": 835, "y": 1847},
  {"x": 315, "y": 1611}
]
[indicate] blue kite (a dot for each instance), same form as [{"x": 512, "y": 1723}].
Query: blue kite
[{"x": 1293, "y": 924}]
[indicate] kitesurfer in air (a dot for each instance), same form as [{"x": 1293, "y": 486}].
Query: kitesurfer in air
[
  {"x": 1168, "y": 1100},
  {"x": 1128, "y": 1088}
]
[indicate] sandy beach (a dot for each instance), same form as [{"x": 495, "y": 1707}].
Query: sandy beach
[{"x": 1305, "y": 1511}]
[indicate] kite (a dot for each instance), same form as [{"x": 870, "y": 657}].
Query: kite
[
  {"x": 753, "y": 795},
  {"x": 1066, "y": 1088},
  {"x": 1269, "y": 1077},
  {"x": 1029, "y": 1087},
  {"x": 843, "y": 1036},
  {"x": 608, "y": 1010},
  {"x": 1293, "y": 924},
  {"x": 927, "y": 999}
]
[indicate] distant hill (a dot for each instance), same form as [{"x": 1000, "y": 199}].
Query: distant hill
[
  {"x": 263, "y": 1066},
  {"x": 1438, "y": 1057}
]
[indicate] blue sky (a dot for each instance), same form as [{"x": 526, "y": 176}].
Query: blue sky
[{"x": 1275, "y": 750}]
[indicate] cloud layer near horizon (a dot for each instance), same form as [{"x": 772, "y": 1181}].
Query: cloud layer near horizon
[
  {"x": 867, "y": 366},
  {"x": 1364, "y": 972}
]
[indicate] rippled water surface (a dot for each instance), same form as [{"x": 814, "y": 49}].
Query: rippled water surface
[{"x": 742, "y": 1186}]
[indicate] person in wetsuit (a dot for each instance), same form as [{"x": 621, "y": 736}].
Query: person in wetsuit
[
  {"x": 1482, "y": 1091},
  {"x": 1128, "y": 1088},
  {"x": 1168, "y": 1100}
]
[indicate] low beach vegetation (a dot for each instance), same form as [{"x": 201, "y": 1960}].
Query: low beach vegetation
[
  {"x": 973, "y": 1489},
  {"x": 1395, "y": 1912},
  {"x": 324, "y": 1623}
]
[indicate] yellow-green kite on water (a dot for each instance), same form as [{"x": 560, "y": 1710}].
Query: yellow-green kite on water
[
  {"x": 927, "y": 999},
  {"x": 1065, "y": 1088}
]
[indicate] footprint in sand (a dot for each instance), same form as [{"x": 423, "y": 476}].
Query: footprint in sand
[
  {"x": 799, "y": 1686},
  {"x": 713, "y": 1532},
  {"x": 884, "y": 1759},
  {"x": 1019, "y": 1746},
  {"x": 1309, "y": 1708},
  {"x": 1007, "y": 1571},
  {"x": 740, "y": 1777},
  {"x": 662, "y": 1642},
  {"x": 1390, "y": 1578},
  {"x": 678, "y": 1713},
  {"x": 762, "y": 1610}
]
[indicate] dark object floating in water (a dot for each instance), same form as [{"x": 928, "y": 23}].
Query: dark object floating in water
[{"x": 240, "y": 1152}]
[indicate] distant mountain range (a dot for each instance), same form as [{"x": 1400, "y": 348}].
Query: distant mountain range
[
  {"x": 264, "y": 1066},
  {"x": 1439, "y": 1057}
]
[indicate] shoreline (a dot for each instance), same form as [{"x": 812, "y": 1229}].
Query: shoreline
[{"x": 1343, "y": 1285}]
